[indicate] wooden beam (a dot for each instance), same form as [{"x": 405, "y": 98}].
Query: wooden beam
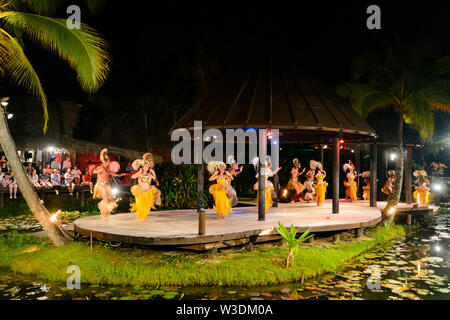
[
  {"x": 373, "y": 175},
  {"x": 335, "y": 166}
]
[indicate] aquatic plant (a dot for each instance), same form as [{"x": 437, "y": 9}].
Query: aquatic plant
[{"x": 291, "y": 241}]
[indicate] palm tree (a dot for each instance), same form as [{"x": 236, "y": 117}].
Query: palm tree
[
  {"x": 83, "y": 49},
  {"x": 408, "y": 79}
]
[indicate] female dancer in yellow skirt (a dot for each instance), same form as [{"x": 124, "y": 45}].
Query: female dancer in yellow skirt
[
  {"x": 320, "y": 185},
  {"x": 422, "y": 191},
  {"x": 350, "y": 184},
  {"x": 143, "y": 192},
  {"x": 269, "y": 188},
  {"x": 218, "y": 172},
  {"x": 366, "y": 189}
]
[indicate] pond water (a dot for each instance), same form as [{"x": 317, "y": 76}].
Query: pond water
[{"x": 417, "y": 267}]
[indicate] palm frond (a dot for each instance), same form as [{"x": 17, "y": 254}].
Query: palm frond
[
  {"x": 84, "y": 50},
  {"x": 41, "y": 7},
  {"x": 420, "y": 115},
  {"x": 16, "y": 66}
]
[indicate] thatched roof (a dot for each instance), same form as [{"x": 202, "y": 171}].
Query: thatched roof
[
  {"x": 27, "y": 124},
  {"x": 278, "y": 96}
]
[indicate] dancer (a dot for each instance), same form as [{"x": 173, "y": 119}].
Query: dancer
[
  {"x": 320, "y": 186},
  {"x": 233, "y": 171},
  {"x": 294, "y": 185},
  {"x": 422, "y": 191},
  {"x": 157, "y": 198},
  {"x": 102, "y": 189},
  {"x": 143, "y": 192},
  {"x": 366, "y": 193},
  {"x": 218, "y": 172},
  {"x": 387, "y": 188},
  {"x": 309, "y": 185},
  {"x": 269, "y": 188},
  {"x": 350, "y": 184}
]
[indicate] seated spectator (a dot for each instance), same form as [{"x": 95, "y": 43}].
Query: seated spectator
[
  {"x": 67, "y": 164},
  {"x": 55, "y": 180},
  {"x": 87, "y": 181},
  {"x": 10, "y": 181},
  {"x": 129, "y": 168},
  {"x": 2, "y": 159},
  {"x": 44, "y": 179},
  {"x": 29, "y": 169},
  {"x": 55, "y": 164},
  {"x": 34, "y": 178},
  {"x": 76, "y": 172},
  {"x": 68, "y": 178},
  {"x": 47, "y": 170},
  {"x": 5, "y": 168}
]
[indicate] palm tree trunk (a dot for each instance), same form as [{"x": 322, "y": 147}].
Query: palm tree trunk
[
  {"x": 399, "y": 169},
  {"x": 24, "y": 184}
]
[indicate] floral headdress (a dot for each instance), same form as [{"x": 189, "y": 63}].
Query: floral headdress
[
  {"x": 420, "y": 173},
  {"x": 138, "y": 163},
  {"x": 313, "y": 164},
  {"x": 296, "y": 163},
  {"x": 391, "y": 173},
  {"x": 104, "y": 155},
  {"x": 365, "y": 175},
  {"x": 214, "y": 166}
]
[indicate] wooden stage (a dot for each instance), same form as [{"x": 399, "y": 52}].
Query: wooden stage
[{"x": 179, "y": 228}]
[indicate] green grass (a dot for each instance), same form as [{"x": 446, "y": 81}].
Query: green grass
[{"x": 104, "y": 265}]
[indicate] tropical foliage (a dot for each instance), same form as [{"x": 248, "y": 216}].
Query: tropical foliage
[
  {"x": 83, "y": 49},
  {"x": 291, "y": 240},
  {"x": 408, "y": 79}
]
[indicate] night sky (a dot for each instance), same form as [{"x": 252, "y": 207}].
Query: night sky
[{"x": 157, "y": 45}]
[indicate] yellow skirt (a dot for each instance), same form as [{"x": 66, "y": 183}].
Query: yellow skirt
[
  {"x": 366, "y": 193},
  {"x": 351, "y": 190},
  {"x": 144, "y": 201},
  {"x": 321, "y": 189},
  {"x": 98, "y": 191},
  {"x": 423, "y": 196},
  {"x": 221, "y": 201},
  {"x": 267, "y": 194}
]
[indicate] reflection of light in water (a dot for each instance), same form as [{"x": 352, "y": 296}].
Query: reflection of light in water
[{"x": 266, "y": 232}]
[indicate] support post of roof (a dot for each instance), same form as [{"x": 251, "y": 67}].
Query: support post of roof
[
  {"x": 373, "y": 174},
  {"x": 201, "y": 183},
  {"x": 335, "y": 167},
  {"x": 408, "y": 176},
  {"x": 357, "y": 164},
  {"x": 261, "y": 175},
  {"x": 321, "y": 155}
]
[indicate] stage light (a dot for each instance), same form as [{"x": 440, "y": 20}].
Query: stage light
[
  {"x": 51, "y": 149},
  {"x": 267, "y": 231},
  {"x": 437, "y": 187},
  {"x": 285, "y": 192},
  {"x": 4, "y": 103},
  {"x": 9, "y": 116},
  {"x": 393, "y": 156},
  {"x": 54, "y": 216},
  {"x": 325, "y": 146},
  {"x": 115, "y": 191},
  {"x": 275, "y": 142},
  {"x": 269, "y": 134},
  {"x": 391, "y": 210},
  {"x": 341, "y": 141},
  {"x": 437, "y": 248},
  {"x": 353, "y": 151}
]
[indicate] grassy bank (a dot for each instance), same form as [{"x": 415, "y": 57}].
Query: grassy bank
[{"x": 103, "y": 265}]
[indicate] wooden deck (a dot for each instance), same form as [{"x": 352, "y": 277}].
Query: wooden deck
[{"x": 180, "y": 227}]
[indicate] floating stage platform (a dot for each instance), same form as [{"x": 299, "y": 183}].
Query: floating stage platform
[{"x": 179, "y": 228}]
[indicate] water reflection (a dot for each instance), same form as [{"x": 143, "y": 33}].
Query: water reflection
[{"x": 416, "y": 268}]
